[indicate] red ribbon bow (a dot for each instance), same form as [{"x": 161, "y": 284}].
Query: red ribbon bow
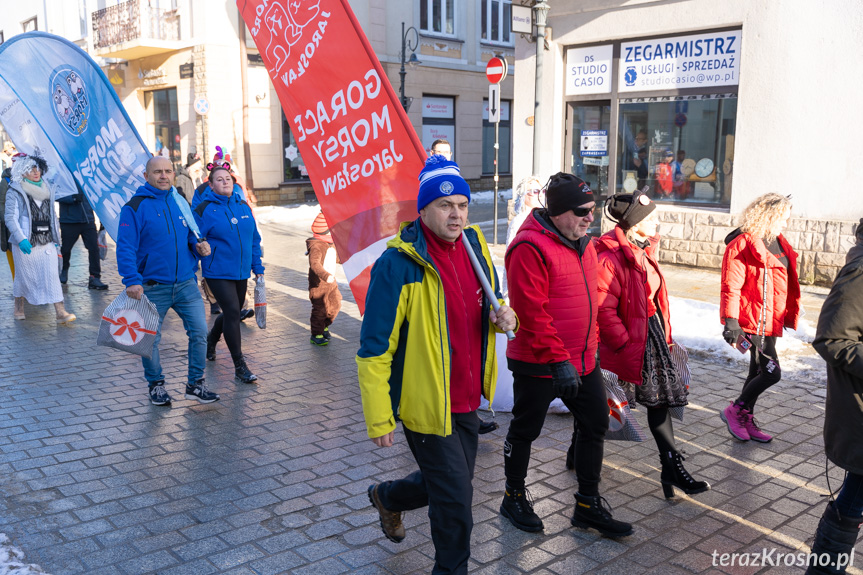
[{"x": 124, "y": 325}]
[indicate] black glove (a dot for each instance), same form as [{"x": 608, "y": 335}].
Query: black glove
[
  {"x": 564, "y": 380},
  {"x": 732, "y": 331}
]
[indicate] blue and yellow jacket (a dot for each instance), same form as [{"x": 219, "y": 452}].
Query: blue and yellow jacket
[{"x": 405, "y": 330}]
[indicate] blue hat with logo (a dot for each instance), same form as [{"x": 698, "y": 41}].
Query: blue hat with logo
[{"x": 440, "y": 178}]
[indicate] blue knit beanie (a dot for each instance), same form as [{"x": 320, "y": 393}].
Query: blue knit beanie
[{"x": 440, "y": 178}]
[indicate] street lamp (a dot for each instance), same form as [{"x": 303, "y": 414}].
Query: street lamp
[{"x": 411, "y": 45}]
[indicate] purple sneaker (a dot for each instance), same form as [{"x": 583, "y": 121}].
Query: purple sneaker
[
  {"x": 736, "y": 418},
  {"x": 755, "y": 433}
]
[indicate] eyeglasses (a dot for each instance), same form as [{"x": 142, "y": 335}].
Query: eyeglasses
[{"x": 582, "y": 212}]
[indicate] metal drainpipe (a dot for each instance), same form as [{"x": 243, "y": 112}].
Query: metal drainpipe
[{"x": 540, "y": 10}]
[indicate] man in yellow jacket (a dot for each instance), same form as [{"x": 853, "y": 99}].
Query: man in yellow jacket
[{"x": 426, "y": 356}]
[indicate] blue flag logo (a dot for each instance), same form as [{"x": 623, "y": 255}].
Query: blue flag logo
[{"x": 71, "y": 105}]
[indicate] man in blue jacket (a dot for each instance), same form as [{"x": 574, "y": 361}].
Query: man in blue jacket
[
  {"x": 77, "y": 220},
  {"x": 156, "y": 257}
]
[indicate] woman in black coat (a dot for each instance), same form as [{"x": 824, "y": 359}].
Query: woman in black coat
[{"x": 839, "y": 340}]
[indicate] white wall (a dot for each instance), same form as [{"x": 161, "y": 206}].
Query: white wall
[{"x": 799, "y": 121}]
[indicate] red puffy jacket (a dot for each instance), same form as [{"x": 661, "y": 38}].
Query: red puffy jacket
[
  {"x": 553, "y": 291},
  {"x": 623, "y": 309},
  {"x": 746, "y": 266}
]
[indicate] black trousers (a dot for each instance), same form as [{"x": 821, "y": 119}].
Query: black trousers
[
  {"x": 444, "y": 484},
  {"x": 230, "y": 294},
  {"x": 69, "y": 234},
  {"x": 532, "y": 396},
  {"x": 764, "y": 370}
]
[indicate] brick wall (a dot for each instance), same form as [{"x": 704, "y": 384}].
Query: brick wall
[{"x": 698, "y": 240}]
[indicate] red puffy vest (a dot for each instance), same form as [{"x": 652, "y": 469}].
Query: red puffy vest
[
  {"x": 623, "y": 307},
  {"x": 553, "y": 291}
]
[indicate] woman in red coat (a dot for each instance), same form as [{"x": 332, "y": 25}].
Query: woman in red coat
[
  {"x": 634, "y": 329},
  {"x": 759, "y": 268}
]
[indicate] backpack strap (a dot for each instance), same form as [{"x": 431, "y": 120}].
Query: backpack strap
[
  {"x": 534, "y": 246},
  {"x": 199, "y": 209},
  {"x": 135, "y": 201}
]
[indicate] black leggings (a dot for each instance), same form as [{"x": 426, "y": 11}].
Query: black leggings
[
  {"x": 659, "y": 421},
  {"x": 230, "y": 295},
  {"x": 590, "y": 409},
  {"x": 764, "y": 370}
]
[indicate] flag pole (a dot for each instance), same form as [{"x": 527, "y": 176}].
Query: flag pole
[{"x": 483, "y": 280}]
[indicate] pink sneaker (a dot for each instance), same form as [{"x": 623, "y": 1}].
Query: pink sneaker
[
  {"x": 736, "y": 417},
  {"x": 755, "y": 433}
]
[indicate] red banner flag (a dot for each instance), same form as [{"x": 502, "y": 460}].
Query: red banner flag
[{"x": 361, "y": 151}]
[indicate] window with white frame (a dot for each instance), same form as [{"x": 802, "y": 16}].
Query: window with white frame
[
  {"x": 496, "y": 18},
  {"x": 437, "y": 17}
]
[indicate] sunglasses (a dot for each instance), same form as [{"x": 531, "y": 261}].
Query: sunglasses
[{"x": 582, "y": 212}]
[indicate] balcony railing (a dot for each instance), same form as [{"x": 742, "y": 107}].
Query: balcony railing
[{"x": 133, "y": 20}]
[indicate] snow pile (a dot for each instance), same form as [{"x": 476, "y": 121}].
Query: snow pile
[
  {"x": 11, "y": 560},
  {"x": 487, "y": 196},
  {"x": 696, "y": 325}
]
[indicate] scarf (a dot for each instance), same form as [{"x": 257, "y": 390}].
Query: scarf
[{"x": 36, "y": 190}]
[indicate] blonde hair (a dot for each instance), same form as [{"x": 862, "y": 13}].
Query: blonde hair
[{"x": 761, "y": 215}]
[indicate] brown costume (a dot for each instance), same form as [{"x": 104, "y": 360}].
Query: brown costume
[{"x": 325, "y": 297}]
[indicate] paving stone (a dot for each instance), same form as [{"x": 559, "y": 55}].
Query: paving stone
[{"x": 273, "y": 478}]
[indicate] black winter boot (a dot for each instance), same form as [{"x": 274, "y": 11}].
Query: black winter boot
[
  {"x": 64, "y": 275},
  {"x": 675, "y": 475},
  {"x": 211, "y": 346},
  {"x": 594, "y": 511},
  {"x": 834, "y": 539},
  {"x": 96, "y": 283},
  {"x": 517, "y": 506},
  {"x": 242, "y": 373}
]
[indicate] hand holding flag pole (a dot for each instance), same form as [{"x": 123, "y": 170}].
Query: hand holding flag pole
[{"x": 483, "y": 280}]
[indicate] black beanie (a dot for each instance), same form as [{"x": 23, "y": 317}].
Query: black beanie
[
  {"x": 565, "y": 192},
  {"x": 629, "y": 209}
]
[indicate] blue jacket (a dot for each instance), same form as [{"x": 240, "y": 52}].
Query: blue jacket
[
  {"x": 229, "y": 226},
  {"x": 75, "y": 209},
  {"x": 154, "y": 242}
]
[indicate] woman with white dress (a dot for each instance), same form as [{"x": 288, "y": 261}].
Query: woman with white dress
[{"x": 32, "y": 223}]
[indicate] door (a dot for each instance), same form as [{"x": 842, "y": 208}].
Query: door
[{"x": 589, "y": 151}]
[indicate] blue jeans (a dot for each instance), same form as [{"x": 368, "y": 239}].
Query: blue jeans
[
  {"x": 849, "y": 502},
  {"x": 186, "y": 300}
]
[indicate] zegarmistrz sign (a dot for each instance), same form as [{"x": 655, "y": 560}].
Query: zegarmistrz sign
[{"x": 695, "y": 61}]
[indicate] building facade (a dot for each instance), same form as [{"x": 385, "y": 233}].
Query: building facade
[
  {"x": 708, "y": 105},
  {"x": 178, "y": 68}
]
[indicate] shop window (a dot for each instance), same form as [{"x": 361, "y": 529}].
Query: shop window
[
  {"x": 161, "y": 106},
  {"x": 294, "y": 166},
  {"x": 504, "y": 140},
  {"x": 437, "y": 17},
  {"x": 439, "y": 121},
  {"x": 496, "y": 18},
  {"x": 681, "y": 149}
]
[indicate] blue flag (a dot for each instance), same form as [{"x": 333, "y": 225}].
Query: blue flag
[{"x": 70, "y": 102}]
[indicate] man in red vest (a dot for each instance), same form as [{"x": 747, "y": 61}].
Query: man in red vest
[{"x": 551, "y": 269}]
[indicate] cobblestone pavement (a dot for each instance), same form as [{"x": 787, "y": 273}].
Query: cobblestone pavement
[{"x": 273, "y": 478}]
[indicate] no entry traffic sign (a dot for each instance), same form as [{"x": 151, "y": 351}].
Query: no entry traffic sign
[{"x": 495, "y": 70}]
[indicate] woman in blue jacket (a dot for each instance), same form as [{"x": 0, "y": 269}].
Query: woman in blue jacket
[{"x": 226, "y": 220}]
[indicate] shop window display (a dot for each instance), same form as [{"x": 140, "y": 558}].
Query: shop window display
[{"x": 681, "y": 148}]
